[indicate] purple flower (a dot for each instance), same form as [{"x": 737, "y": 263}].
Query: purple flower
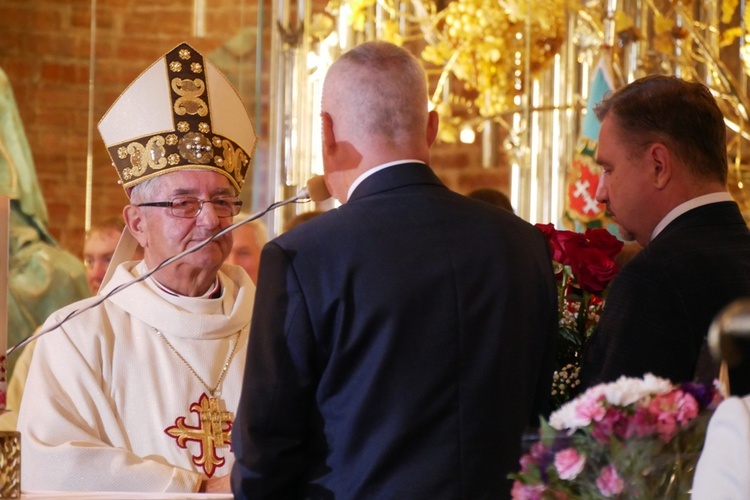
[{"x": 703, "y": 393}]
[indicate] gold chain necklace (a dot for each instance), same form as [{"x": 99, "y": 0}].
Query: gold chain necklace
[{"x": 192, "y": 370}]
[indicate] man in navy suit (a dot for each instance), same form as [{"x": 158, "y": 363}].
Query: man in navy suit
[
  {"x": 402, "y": 342},
  {"x": 662, "y": 148}
]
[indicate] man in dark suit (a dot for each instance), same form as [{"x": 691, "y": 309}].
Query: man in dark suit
[
  {"x": 400, "y": 343},
  {"x": 662, "y": 148}
]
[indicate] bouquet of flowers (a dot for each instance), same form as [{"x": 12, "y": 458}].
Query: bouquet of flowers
[
  {"x": 584, "y": 266},
  {"x": 633, "y": 438}
]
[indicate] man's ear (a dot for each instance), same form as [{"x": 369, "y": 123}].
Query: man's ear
[
  {"x": 433, "y": 122},
  {"x": 135, "y": 222},
  {"x": 329, "y": 138},
  {"x": 661, "y": 164}
]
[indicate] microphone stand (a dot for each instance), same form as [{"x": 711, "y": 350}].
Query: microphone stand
[{"x": 303, "y": 194}]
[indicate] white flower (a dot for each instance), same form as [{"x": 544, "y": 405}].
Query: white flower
[
  {"x": 628, "y": 390},
  {"x": 656, "y": 385},
  {"x": 565, "y": 417},
  {"x": 625, "y": 391}
]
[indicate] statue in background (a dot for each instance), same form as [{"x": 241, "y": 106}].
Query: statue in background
[{"x": 42, "y": 276}]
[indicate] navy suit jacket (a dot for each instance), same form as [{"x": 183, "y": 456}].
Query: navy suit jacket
[
  {"x": 662, "y": 302},
  {"x": 399, "y": 346}
]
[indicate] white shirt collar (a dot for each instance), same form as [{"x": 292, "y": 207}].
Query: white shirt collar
[
  {"x": 706, "y": 199},
  {"x": 368, "y": 173}
]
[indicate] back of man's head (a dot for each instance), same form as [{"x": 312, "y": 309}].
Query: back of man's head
[{"x": 379, "y": 89}]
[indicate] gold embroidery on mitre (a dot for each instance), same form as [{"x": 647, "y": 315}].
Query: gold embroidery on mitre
[
  {"x": 189, "y": 101},
  {"x": 152, "y": 155},
  {"x": 155, "y": 152},
  {"x": 192, "y": 142},
  {"x": 234, "y": 160},
  {"x": 196, "y": 148}
]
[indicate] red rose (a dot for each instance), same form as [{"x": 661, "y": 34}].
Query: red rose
[
  {"x": 604, "y": 241},
  {"x": 559, "y": 241},
  {"x": 589, "y": 255},
  {"x": 593, "y": 270},
  {"x": 549, "y": 232}
]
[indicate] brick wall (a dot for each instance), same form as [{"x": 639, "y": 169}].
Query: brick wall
[{"x": 45, "y": 51}]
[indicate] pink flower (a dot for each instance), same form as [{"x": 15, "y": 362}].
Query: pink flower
[
  {"x": 609, "y": 482},
  {"x": 672, "y": 410},
  {"x": 522, "y": 491},
  {"x": 591, "y": 408},
  {"x": 615, "y": 422},
  {"x": 643, "y": 422},
  {"x": 537, "y": 451},
  {"x": 568, "y": 463},
  {"x": 528, "y": 463}
]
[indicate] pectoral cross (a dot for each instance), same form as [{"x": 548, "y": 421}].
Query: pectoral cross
[{"x": 213, "y": 431}]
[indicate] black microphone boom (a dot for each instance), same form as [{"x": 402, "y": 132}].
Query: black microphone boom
[{"x": 315, "y": 190}]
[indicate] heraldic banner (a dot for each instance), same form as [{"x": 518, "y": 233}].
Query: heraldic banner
[{"x": 582, "y": 211}]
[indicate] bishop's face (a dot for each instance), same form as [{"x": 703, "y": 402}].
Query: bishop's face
[{"x": 163, "y": 235}]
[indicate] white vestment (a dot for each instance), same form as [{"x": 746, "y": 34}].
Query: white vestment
[
  {"x": 104, "y": 388},
  {"x": 723, "y": 469}
]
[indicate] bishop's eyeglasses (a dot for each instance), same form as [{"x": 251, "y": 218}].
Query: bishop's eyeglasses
[{"x": 188, "y": 207}]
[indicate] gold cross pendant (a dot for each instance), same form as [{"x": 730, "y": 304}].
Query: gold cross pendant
[{"x": 213, "y": 431}]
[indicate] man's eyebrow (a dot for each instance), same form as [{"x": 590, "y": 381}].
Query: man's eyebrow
[{"x": 221, "y": 191}]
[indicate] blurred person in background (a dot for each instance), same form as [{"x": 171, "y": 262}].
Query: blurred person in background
[{"x": 248, "y": 241}]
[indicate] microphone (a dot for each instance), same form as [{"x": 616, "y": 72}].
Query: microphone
[
  {"x": 729, "y": 333},
  {"x": 729, "y": 340},
  {"x": 314, "y": 190}
]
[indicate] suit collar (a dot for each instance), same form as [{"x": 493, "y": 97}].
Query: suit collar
[
  {"x": 714, "y": 214},
  {"x": 689, "y": 205},
  {"x": 395, "y": 176},
  {"x": 373, "y": 171}
]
